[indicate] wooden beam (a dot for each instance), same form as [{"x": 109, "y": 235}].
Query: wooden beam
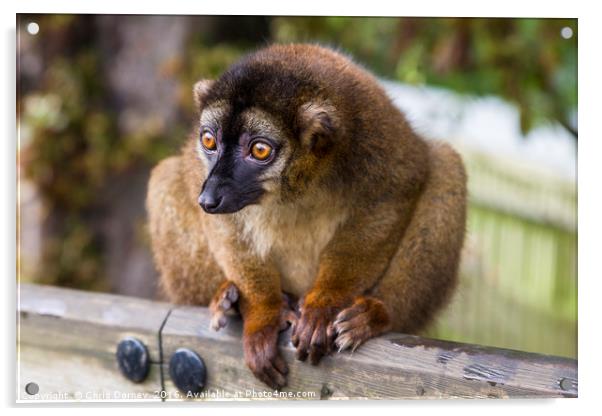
[
  {"x": 68, "y": 340},
  {"x": 389, "y": 367}
]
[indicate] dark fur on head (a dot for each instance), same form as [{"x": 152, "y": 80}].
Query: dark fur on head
[{"x": 331, "y": 114}]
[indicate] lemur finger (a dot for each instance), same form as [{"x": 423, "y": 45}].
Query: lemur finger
[
  {"x": 218, "y": 321},
  {"x": 331, "y": 334},
  {"x": 303, "y": 343},
  {"x": 267, "y": 378},
  {"x": 228, "y": 298},
  {"x": 280, "y": 365},
  {"x": 343, "y": 342},
  {"x": 225, "y": 304},
  {"x": 353, "y": 337},
  {"x": 271, "y": 375},
  {"x": 317, "y": 345},
  {"x": 348, "y": 313},
  {"x": 232, "y": 293},
  {"x": 294, "y": 337}
]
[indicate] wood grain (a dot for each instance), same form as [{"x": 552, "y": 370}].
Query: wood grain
[
  {"x": 390, "y": 367},
  {"x": 67, "y": 342}
]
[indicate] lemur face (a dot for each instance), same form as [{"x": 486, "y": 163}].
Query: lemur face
[
  {"x": 245, "y": 154},
  {"x": 264, "y": 130}
]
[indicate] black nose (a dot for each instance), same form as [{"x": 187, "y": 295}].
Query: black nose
[{"x": 209, "y": 202}]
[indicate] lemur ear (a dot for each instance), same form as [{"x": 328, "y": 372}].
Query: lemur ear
[
  {"x": 319, "y": 122},
  {"x": 200, "y": 90}
]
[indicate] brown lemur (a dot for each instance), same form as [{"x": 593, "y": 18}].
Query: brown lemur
[{"x": 311, "y": 182}]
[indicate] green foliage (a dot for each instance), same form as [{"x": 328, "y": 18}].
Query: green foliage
[
  {"x": 73, "y": 149},
  {"x": 524, "y": 60},
  {"x": 65, "y": 123},
  {"x": 206, "y": 62}
]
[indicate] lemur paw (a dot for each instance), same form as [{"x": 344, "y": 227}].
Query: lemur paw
[
  {"x": 263, "y": 358},
  {"x": 260, "y": 343},
  {"x": 223, "y": 305},
  {"x": 312, "y": 334},
  {"x": 365, "y": 319}
]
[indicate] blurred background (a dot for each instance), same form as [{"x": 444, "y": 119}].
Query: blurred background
[{"x": 102, "y": 98}]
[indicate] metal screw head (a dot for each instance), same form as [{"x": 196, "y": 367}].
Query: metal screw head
[
  {"x": 187, "y": 371},
  {"x": 32, "y": 388},
  {"x": 133, "y": 359},
  {"x": 568, "y": 384}
]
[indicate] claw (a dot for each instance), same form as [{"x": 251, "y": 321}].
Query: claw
[
  {"x": 343, "y": 342},
  {"x": 343, "y": 327},
  {"x": 218, "y": 321},
  {"x": 365, "y": 319}
]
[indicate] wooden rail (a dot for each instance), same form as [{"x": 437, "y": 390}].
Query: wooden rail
[{"x": 68, "y": 339}]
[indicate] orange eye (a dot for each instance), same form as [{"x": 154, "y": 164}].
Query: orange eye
[
  {"x": 208, "y": 141},
  {"x": 261, "y": 150}
]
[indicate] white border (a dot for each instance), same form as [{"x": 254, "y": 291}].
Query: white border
[
  {"x": 590, "y": 208},
  {"x": 507, "y": 8}
]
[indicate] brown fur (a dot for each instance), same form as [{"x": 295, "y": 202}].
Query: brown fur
[{"x": 365, "y": 221}]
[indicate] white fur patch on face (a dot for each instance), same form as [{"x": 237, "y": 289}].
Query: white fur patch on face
[
  {"x": 259, "y": 123},
  {"x": 211, "y": 117}
]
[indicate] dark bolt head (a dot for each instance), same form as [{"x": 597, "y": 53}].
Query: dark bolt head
[
  {"x": 133, "y": 359},
  {"x": 32, "y": 388},
  {"x": 187, "y": 371},
  {"x": 568, "y": 384}
]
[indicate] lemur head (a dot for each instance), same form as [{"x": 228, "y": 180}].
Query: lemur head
[{"x": 265, "y": 131}]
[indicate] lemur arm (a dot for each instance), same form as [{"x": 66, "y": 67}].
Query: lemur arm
[
  {"x": 351, "y": 264},
  {"x": 260, "y": 302}
]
